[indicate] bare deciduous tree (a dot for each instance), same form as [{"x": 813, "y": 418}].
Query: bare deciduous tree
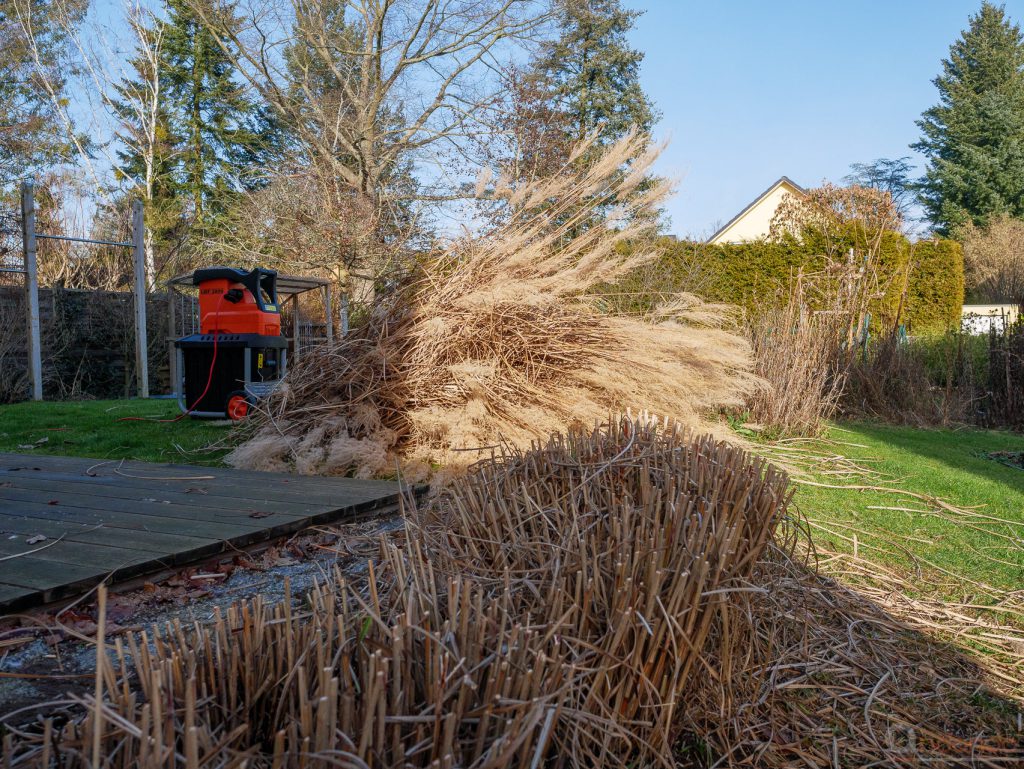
[
  {"x": 370, "y": 91},
  {"x": 994, "y": 260},
  {"x": 137, "y": 105}
]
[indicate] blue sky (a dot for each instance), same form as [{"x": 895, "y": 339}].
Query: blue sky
[{"x": 751, "y": 90}]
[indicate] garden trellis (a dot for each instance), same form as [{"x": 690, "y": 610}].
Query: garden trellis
[{"x": 30, "y": 270}]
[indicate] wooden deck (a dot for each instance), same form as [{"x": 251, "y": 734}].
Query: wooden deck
[{"x": 122, "y": 520}]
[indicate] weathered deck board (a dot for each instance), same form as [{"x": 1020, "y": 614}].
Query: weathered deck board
[{"x": 120, "y": 520}]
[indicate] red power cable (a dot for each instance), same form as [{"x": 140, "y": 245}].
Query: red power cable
[{"x": 209, "y": 377}]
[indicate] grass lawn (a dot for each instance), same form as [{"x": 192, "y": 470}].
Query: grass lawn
[
  {"x": 93, "y": 429},
  {"x": 950, "y": 464}
]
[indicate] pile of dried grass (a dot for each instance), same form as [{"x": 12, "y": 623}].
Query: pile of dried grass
[
  {"x": 603, "y": 600},
  {"x": 496, "y": 341},
  {"x": 636, "y": 547}
]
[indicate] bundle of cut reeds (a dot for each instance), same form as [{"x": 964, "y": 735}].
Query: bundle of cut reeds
[
  {"x": 495, "y": 339},
  {"x": 554, "y": 618}
]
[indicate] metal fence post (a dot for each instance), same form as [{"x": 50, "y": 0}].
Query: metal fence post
[
  {"x": 329, "y": 314},
  {"x": 141, "y": 339},
  {"x": 172, "y": 332},
  {"x": 28, "y": 225}
]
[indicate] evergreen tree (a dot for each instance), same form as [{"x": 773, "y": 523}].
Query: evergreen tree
[
  {"x": 221, "y": 133},
  {"x": 583, "y": 83},
  {"x": 590, "y": 72},
  {"x": 974, "y": 137}
]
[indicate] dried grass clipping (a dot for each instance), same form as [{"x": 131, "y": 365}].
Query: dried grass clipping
[{"x": 496, "y": 341}]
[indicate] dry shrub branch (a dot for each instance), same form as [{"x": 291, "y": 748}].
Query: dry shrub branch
[
  {"x": 804, "y": 348},
  {"x": 625, "y": 597},
  {"x": 495, "y": 339}
]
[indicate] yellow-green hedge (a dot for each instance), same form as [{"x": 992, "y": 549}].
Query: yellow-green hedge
[
  {"x": 756, "y": 275},
  {"x": 935, "y": 294}
]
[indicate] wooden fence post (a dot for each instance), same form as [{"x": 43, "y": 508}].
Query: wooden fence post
[
  {"x": 28, "y": 225},
  {"x": 141, "y": 337}
]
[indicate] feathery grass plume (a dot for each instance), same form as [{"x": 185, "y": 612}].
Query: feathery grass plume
[{"x": 495, "y": 340}]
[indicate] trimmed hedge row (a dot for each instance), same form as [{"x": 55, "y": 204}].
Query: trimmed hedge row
[
  {"x": 935, "y": 295},
  {"x": 756, "y": 275}
]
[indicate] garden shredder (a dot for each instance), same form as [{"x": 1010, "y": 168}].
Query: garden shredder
[{"x": 239, "y": 354}]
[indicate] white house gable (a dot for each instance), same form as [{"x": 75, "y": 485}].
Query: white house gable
[{"x": 753, "y": 222}]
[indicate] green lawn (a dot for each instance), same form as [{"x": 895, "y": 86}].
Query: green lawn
[
  {"x": 950, "y": 464},
  {"x": 94, "y": 429}
]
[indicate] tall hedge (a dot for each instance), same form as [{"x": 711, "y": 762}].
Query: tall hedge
[
  {"x": 935, "y": 294},
  {"x": 757, "y": 274}
]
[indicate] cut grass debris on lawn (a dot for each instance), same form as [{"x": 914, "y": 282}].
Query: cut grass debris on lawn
[
  {"x": 930, "y": 503},
  {"x": 111, "y": 429}
]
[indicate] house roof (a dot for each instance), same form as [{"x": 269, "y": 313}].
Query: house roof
[{"x": 778, "y": 182}]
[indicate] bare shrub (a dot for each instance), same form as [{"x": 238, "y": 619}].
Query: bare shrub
[
  {"x": 804, "y": 347},
  {"x": 921, "y": 382},
  {"x": 831, "y": 209},
  {"x": 496, "y": 339},
  {"x": 994, "y": 260},
  {"x": 1006, "y": 373},
  {"x": 14, "y": 385}
]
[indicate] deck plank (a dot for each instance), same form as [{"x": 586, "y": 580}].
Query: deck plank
[{"x": 118, "y": 520}]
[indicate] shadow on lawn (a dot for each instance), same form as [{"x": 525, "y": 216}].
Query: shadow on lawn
[
  {"x": 852, "y": 682},
  {"x": 964, "y": 451}
]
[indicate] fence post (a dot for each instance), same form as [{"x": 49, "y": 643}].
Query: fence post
[
  {"x": 172, "y": 331},
  {"x": 28, "y": 240},
  {"x": 295, "y": 327},
  {"x": 329, "y": 314},
  {"x": 141, "y": 340}
]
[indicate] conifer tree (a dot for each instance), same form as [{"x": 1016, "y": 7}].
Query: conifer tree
[
  {"x": 584, "y": 82},
  {"x": 974, "y": 137},
  {"x": 592, "y": 74},
  {"x": 221, "y": 132}
]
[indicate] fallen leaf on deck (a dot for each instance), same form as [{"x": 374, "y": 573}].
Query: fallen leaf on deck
[{"x": 260, "y": 514}]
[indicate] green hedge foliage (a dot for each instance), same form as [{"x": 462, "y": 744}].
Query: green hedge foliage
[
  {"x": 757, "y": 275},
  {"x": 935, "y": 294}
]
